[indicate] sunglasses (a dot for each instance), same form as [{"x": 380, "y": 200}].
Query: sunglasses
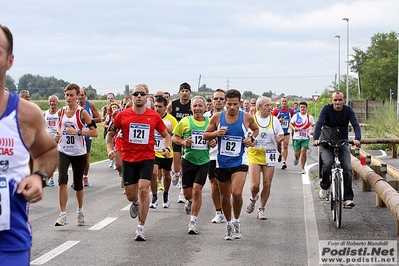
[
  {"x": 157, "y": 96},
  {"x": 218, "y": 98},
  {"x": 142, "y": 93}
]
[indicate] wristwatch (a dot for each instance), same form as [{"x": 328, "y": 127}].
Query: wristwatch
[
  {"x": 43, "y": 176},
  {"x": 79, "y": 133}
]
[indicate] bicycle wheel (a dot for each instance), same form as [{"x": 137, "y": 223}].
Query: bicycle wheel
[
  {"x": 338, "y": 199},
  {"x": 332, "y": 199}
]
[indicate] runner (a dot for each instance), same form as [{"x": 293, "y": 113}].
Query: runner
[{"x": 51, "y": 120}]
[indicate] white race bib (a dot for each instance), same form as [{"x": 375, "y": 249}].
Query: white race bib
[
  {"x": 285, "y": 123},
  {"x": 159, "y": 145},
  {"x": 4, "y": 204},
  {"x": 197, "y": 136},
  {"x": 230, "y": 146},
  {"x": 271, "y": 156},
  {"x": 139, "y": 133}
]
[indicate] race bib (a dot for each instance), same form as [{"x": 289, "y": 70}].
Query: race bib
[
  {"x": 230, "y": 146},
  {"x": 139, "y": 133},
  {"x": 271, "y": 157},
  {"x": 285, "y": 123},
  {"x": 4, "y": 204},
  {"x": 69, "y": 143},
  {"x": 303, "y": 133},
  {"x": 159, "y": 145},
  {"x": 197, "y": 136}
]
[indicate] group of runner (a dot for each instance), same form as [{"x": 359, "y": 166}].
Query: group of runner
[{"x": 222, "y": 141}]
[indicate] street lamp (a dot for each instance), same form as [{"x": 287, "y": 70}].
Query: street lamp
[
  {"x": 339, "y": 59},
  {"x": 347, "y": 60}
]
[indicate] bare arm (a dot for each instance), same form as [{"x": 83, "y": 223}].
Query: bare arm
[
  {"x": 166, "y": 141},
  {"x": 42, "y": 148},
  {"x": 212, "y": 132},
  {"x": 96, "y": 115},
  {"x": 169, "y": 108}
]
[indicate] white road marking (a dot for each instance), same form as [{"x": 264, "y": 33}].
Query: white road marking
[
  {"x": 103, "y": 223},
  {"x": 312, "y": 235},
  {"x": 126, "y": 208},
  {"x": 383, "y": 154},
  {"x": 54, "y": 253}
]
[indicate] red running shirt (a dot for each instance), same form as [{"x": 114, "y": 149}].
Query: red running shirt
[{"x": 138, "y": 134}]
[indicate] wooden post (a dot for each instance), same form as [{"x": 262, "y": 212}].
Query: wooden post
[
  {"x": 378, "y": 201},
  {"x": 394, "y": 152}
]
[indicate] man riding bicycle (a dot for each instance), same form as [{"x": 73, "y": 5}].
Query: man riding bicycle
[{"x": 337, "y": 115}]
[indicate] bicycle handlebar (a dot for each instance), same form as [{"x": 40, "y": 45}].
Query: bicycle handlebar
[{"x": 336, "y": 144}]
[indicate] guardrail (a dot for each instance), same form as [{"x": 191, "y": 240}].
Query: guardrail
[
  {"x": 373, "y": 173},
  {"x": 392, "y": 141}
]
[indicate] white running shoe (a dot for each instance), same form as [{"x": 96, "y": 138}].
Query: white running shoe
[
  {"x": 154, "y": 203},
  {"x": 181, "y": 199},
  {"x": 187, "y": 207},
  {"x": 219, "y": 218},
  {"x": 261, "y": 214},
  {"x": 166, "y": 203},
  {"x": 303, "y": 171},
  {"x": 296, "y": 161},
  {"x": 175, "y": 178},
  {"x": 61, "y": 220},
  {"x": 192, "y": 228},
  {"x": 251, "y": 205},
  {"x": 237, "y": 230},
  {"x": 80, "y": 220},
  {"x": 140, "y": 234},
  {"x": 229, "y": 233},
  {"x": 348, "y": 204},
  {"x": 134, "y": 210}
]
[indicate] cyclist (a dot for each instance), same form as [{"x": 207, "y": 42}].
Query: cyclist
[{"x": 337, "y": 114}]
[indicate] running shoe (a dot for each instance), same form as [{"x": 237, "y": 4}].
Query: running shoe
[
  {"x": 303, "y": 171},
  {"x": 219, "y": 218},
  {"x": 323, "y": 194},
  {"x": 80, "y": 220},
  {"x": 280, "y": 157},
  {"x": 175, "y": 178},
  {"x": 166, "y": 202},
  {"x": 154, "y": 203},
  {"x": 134, "y": 210},
  {"x": 50, "y": 183},
  {"x": 348, "y": 204},
  {"x": 181, "y": 199},
  {"x": 61, "y": 220},
  {"x": 187, "y": 207},
  {"x": 261, "y": 214},
  {"x": 111, "y": 164},
  {"x": 139, "y": 234},
  {"x": 229, "y": 233},
  {"x": 237, "y": 230},
  {"x": 296, "y": 161},
  {"x": 192, "y": 228},
  {"x": 284, "y": 166},
  {"x": 72, "y": 185},
  {"x": 179, "y": 186},
  {"x": 160, "y": 187},
  {"x": 251, "y": 205},
  {"x": 85, "y": 181}
]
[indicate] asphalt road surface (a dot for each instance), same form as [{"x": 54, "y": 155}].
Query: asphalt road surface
[{"x": 297, "y": 220}]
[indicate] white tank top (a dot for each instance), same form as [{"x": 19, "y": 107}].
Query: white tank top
[
  {"x": 71, "y": 145},
  {"x": 51, "y": 121}
]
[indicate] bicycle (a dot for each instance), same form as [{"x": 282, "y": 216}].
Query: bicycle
[{"x": 336, "y": 179}]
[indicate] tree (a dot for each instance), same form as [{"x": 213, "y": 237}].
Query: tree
[
  {"x": 10, "y": 83},
  {"x": 204, "y": 88},
  {"x": 268, "y": 94},
  {"x": 378, "y": 66}
]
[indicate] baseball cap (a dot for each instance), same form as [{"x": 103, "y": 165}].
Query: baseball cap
[{"x": 185, "y": 86}]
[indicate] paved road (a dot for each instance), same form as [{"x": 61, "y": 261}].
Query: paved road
[{"x": 297, "y": 220}]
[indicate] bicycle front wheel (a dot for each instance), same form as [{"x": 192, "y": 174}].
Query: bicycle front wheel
[{"x": 338, "y": 199}]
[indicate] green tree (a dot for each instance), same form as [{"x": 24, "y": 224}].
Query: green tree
[
  {"x": 378, "y": 66},
  {"x": 204, "y": 88},
  {"x": 268, "y": 94},
  {"x": 10, "y": 83}
]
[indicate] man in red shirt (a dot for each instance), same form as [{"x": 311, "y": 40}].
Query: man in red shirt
[{"x": 137, "y": 125}]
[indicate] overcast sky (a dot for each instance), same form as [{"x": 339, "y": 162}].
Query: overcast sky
[{"x": 285, "y": 46}]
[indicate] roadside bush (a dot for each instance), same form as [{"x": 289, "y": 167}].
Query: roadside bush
[{"x": 382, "y": 124}]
